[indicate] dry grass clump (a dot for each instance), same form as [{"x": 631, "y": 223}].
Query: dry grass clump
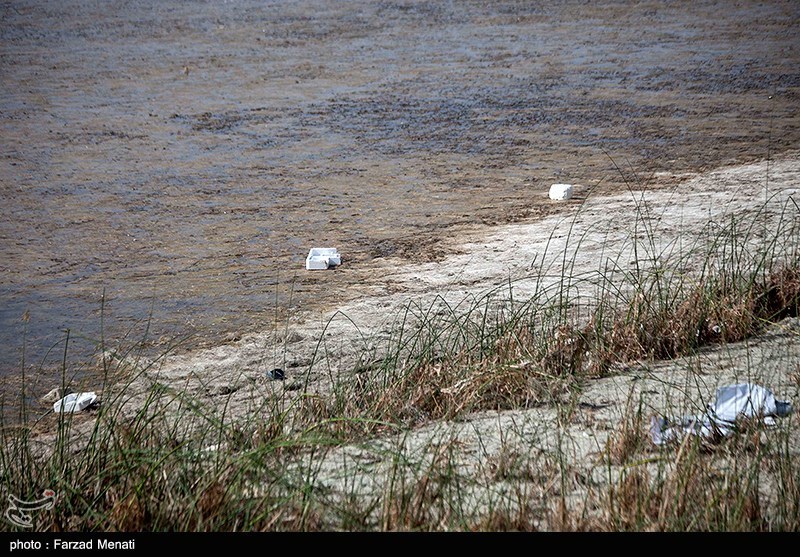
[
  {"x": 175, "y": 466},
  {"x": 747, "y": 481}
]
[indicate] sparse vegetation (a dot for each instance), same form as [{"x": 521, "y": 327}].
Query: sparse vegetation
[{"x": 170, "y": 463}]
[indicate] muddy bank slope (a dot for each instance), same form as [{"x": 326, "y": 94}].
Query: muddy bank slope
[
  {"x": 527, "y": 461},
  {"x": 323, "y": 344},
  {"x": 183, "y": 157}
]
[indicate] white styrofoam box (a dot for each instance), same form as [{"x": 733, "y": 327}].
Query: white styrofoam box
[
  {"x": 322, "y": 258},
  {"x": 560, "y": 192}
]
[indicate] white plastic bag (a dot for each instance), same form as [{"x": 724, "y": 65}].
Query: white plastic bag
[
  {"x": 75, "y": 402},
  {"x": 733, "y": 402}
]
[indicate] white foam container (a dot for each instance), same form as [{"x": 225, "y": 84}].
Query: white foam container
[
  {"x": 560, "y": 192},
  {"x": 75, "y": 402},
  {"x": 322, "y": 258}
]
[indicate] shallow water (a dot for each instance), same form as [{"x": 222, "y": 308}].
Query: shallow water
[{"x": 166, "y": 165}]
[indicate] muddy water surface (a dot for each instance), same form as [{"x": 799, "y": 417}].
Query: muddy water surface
[{"x": 165, "y": 166}]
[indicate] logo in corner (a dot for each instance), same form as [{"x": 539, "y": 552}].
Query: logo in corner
[{"x": 19, "y": 513}]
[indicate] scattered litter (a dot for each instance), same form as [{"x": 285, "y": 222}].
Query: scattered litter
[
  {"x": 560, "y": 192},
  {"x": 322, "y": 258},
  {"x": 733, "y": 402},
  {"x": 75, "y": 402},
  {"x": 276, "y": 373}
]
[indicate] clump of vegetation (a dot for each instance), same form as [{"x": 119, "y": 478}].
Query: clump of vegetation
[{"x": 170, "y": 464}]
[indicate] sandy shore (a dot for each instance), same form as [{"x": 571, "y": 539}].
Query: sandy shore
[
  {"x": 502, "y": 261},
  {"x": 556, "y": 452},
  {"x": 176, "y": 160},
  {"x": 323, "y": 345}
]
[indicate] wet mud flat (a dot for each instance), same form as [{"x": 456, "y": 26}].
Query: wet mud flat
[{"x": 166, "y": 166}]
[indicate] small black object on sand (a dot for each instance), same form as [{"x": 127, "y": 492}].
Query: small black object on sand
[{"x": 276, "y": 373}]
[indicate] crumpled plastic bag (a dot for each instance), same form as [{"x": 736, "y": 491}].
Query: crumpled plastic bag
[
  {"x": 75, "y": 402},
  {"x": 733, "y": 402}
]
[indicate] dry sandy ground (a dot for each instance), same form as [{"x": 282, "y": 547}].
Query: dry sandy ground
[
  {"x": 168, "y": 151},
  {"x": 502, "y": 261},
  {"x": 324, "y": 345},
  {"x": 523, "y": 461}
]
